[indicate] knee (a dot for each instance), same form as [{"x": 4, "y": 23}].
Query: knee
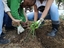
[
  {"x": 54, "y": 8},
  {"x": 30, "y": 16}
]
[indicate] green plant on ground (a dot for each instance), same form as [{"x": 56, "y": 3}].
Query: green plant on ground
[
  {"x": 31, "y": 31},
  {"x": 33, "y": 26}
]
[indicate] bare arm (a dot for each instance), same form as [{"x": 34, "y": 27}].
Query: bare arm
[
  {"x": 35, "y": 13},
  {"x": 7, "y": 10},
  {"x": 14, "y": 21},
  {"x": 12, "y": 17},
  {"x": 47, "y": 7}
]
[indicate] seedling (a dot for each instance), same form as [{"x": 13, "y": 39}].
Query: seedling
[{"x": 33, "y": 26}]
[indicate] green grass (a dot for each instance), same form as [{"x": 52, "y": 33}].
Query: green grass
[{"x": 62, "y": 17}]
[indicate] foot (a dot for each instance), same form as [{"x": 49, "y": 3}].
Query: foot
[
  {"x": 10, "y": 28},
  {"x": 3, "y": 41},
  {"x": 52, "y": 33},
  {"x": 2, "y": 34}
]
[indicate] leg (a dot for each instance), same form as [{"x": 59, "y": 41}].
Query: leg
[
  {"x": 2, "y": 40},
  {"x": 1, "y": 16},
  {"x": 55, "y": 19},
  {"x": 54, "y": 12},
  {"x": 31, "y": 16},
  {"x": 8, "y": 22}
]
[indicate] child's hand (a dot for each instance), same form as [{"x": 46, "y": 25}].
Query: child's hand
[{"x": 16, "y": 22}]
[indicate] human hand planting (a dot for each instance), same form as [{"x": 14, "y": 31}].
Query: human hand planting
[{"x": 35, "y": 25}]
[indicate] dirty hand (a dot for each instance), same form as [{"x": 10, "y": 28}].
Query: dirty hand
[
  {"x": 24, "y": 24},
  {"x": 16, "y": 22}
]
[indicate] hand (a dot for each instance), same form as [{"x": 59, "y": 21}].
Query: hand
[
  {"x": 16, "y": 22},
  {"x": 40, "y": 21},
  {"x": 26, "y": 21},
  {"x": 36, "y": 24},
  {"x": 24, "y": 24}
]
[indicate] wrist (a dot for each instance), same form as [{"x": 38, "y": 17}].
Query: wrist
[
  {"x": 41, "y": 19},
  {"x": 35, "y": 19},
  {"x": 38, "y": 21},
  {"x": 13, "y": 19}
]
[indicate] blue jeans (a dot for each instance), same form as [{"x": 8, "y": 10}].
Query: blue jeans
[
  {"x": 53, "y": 14},
  {"x": 7, "y": 20},
  {"x": 1, "y": 15}
]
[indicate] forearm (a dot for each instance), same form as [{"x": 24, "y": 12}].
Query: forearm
[
  {"x": 35, "y": 13},
  {"x": 47, "y": 7},
  {"x": 9, "y": 14},
  {"x": 35, "y": 16},
  {"x": 7, "y": 9}
]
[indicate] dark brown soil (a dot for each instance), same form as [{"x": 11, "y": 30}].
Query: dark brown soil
[
  {"x": 41, "y": 40},
  {"x": 51, "y": 42}
]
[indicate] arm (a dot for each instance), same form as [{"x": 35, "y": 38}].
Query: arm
[
  {"x": 7, "y": 10},
  {"x": 47, "y": 7},
  {"x": 35, "y": 13},
  {"x": 14, "y": 5},
  {"x": 15, "y": 20}
]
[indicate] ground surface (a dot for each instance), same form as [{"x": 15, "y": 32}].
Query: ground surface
[{"x": 41, "y": 40}]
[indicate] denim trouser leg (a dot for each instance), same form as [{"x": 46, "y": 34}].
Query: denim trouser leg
[
  {"x": 1, "y": 15},
  {"x": 52, "y": 14},
  {"x": 7, "y": 20},
  {"x": 30, "y": 16}
]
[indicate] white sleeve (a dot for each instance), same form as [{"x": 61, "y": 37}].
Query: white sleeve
[{"x": 6, "y": 8}]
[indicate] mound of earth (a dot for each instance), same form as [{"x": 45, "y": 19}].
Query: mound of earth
[{"x": 41, "y": 40}]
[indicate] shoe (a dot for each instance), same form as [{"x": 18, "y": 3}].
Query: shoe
[
  {"x": 2, "y": 34},
  {"x": 3, "y": 40},
  {"x": 53, "y": 33},
  {"x": 55, "y": 27},
  {"x": 10, "y": 28}
]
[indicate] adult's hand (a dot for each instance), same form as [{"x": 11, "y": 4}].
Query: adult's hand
[{"x": 40, "y": 21}]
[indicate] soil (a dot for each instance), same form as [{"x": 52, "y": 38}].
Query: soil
[{"x": 40, "y": 40}]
